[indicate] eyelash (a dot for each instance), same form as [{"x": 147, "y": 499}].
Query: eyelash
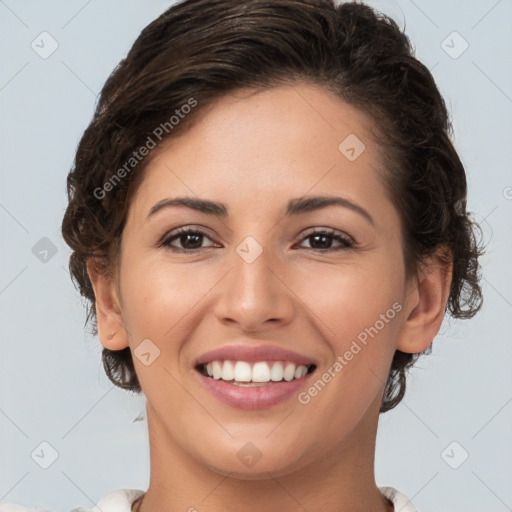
[{"x": 344, "y": 239}]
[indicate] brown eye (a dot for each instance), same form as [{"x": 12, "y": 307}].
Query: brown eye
[
  {"x": 322, "y": 240},
  {"x": 189, "y": 239}
]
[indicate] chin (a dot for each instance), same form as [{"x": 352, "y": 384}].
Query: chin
[
  {"x": 252, "y": 474},
  {"x": 262, "y": 469}
]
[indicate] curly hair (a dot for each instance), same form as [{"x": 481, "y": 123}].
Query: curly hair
[{"x": 201, "y": 50}]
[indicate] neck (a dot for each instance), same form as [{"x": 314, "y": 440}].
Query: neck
[{"x": 340, "y": 480}]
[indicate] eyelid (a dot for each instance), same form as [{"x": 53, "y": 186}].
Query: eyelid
[
  {"x": 329, "y": 231},
  {"x": 176, "y": 232},
  {"x": 347, "y": 241}
]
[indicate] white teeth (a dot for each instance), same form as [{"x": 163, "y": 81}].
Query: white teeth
[
  {"x": 217, "y": 369},
  {"x": 260, "y": 372},
  {"x": 276, "y": 374},
  {"x": 289, "y": 372},
  {"x": 228, "y": 372},
  {"x": 300, "y": 371},
  {"x": 242, "y": 372}
]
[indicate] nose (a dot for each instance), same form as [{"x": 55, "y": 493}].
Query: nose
[{"x": 255, "y": 294}]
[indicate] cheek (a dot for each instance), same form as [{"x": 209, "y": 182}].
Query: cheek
[
  {"x": 357, "y": 309},
  {"x": 157, "y": 297},
  {"x": 359, "y": 315},
  {"x": 349, "y": 298}
]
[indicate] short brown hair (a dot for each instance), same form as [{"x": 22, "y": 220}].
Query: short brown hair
[{"x": 203, "y": 49}]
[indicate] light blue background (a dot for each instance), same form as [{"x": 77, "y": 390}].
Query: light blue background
[{"x": 53, "y": 387}]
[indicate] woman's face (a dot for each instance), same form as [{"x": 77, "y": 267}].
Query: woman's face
[{"x": 258, "y": 276}]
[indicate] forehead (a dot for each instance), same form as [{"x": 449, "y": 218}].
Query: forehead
[
  {"x": 266, "y": 145},
  {"x": 303, "y": 118}
]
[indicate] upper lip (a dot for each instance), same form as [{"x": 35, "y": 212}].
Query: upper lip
[{"x": 254, "y": 353}]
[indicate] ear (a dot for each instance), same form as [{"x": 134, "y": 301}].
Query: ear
[
  {"x": 108, "y": 310},
  {"x": 425, "y": 303}
]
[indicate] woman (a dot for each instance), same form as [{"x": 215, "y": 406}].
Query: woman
[{"x": 268, "y": 218}]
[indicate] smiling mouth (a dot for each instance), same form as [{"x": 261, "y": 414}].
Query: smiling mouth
[{"x": 260, "y": 373}]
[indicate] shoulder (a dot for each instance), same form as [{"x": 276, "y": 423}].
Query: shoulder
[
  {"x": 119, "y": 500},
  {"x": 13, "y": 507},
  {"x": 399, "y": 500}
]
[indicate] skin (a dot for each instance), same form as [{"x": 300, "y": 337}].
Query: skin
[{"x": 254, "y": 151}]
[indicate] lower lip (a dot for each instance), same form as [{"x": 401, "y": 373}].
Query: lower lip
[{"x": 251, "y": 398}]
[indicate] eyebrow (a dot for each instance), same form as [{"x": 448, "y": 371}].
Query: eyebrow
[{"x": 295, "y": 206}]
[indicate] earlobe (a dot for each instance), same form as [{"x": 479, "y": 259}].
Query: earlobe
[
  {"x": 111, "y": 331},
  {"x": 426, "y": 304}
]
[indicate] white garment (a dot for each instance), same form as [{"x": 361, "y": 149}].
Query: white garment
[{"x": 121, "y": 500}]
